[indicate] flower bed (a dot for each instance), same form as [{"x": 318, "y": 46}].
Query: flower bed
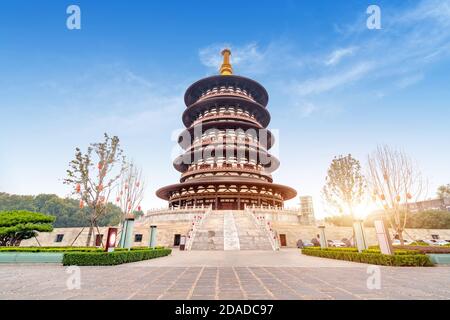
[{"x": 401, "y": 258}]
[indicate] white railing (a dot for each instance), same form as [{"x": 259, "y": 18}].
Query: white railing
[
  {"x": 265, "y": 226},
  {"x": 196, "y": 223},
  {"x": 274, "y": 209}
]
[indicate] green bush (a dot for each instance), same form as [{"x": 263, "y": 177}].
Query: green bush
[
  {"x": 139, "y": 248},
  {"x": 112, "y": 258},
  {"x": 16, "y": 226},
  {"x": 402, "y": 259}
]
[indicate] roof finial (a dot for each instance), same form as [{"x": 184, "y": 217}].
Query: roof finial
[{"x": 226, "y": 69}]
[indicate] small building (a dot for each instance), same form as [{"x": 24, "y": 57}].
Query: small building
[{"x": 307, "y": 209}]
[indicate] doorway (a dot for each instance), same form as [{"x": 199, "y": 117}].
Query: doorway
[
  {"x": 176, "y": 240},
  {"x": 283, "y": 242}
]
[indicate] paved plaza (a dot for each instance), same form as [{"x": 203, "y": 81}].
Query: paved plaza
[{"x": 225, "y": 275}]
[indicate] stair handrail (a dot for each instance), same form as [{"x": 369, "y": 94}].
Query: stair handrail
[
  {"x": 197, "y": 223},
  {"x": 265, "y": 227}
]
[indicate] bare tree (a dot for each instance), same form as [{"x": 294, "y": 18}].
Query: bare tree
[
  {"x": 345, "y": 185},
  {"x": 130, "y": 191},
  {"x": 93, "y": 176},
  {"x": 394, "y": 182}
]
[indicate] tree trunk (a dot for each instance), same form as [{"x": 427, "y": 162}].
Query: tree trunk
[
  {"x": 400, "y": 236},
  {"x": 89, "y": 237}
]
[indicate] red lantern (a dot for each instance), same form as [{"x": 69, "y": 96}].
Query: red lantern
[
  {"x": 100, "y": 187},
  {"x": 81, "y": 204},
  {"x": 409, "y": 196},
  {"x": 138, "y": 184},
  {"x": 100, "y": 165},
  {"x": 139, "y": 208},
  {"x": 382, "y": 197},
  {"x": 117, "y": 199},
  {"x": 78, "y": 188}
]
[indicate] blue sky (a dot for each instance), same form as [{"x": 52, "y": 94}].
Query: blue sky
[{"x": 335, "y": 87}]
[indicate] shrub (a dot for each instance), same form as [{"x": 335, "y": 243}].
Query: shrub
[
  {"x": 404, "y": 258},
  {"x": 16, "y": 226},
  {"x": 428, "y": 249},
  {"x": 112, "y": 258}
]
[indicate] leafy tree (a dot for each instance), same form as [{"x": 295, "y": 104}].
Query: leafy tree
[
  {"x": 429, "y": 220},
  {"x": 340, "y": 221},
  {"x": 345, "y": 185},
  {"x": 66, "y": 211},
  {"x": 444, "y": 191},
  {"x": 16, "y": 226},
  {"x": 93, "y": 175}
]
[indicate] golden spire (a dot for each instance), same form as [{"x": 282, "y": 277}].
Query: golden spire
[{"x": 226, "y": 69}]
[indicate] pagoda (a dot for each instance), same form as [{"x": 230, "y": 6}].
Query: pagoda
[{"x": 226, "y": 162}]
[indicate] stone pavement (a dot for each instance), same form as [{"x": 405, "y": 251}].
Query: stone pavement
[{"x": 225, "y": 275}]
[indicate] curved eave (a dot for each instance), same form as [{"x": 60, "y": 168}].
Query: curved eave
[
  {"x": 189, "y": 133},
  {"x": 286, "y": 192},
  {"x": 189, "y": 115},
  {"x": 271, "y": 163},
  {"x": 257, "y": 91}
]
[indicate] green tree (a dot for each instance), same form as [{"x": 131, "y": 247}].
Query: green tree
[
  {"x": 444, "y": 191},
  {"x": 345, "y": 185},
  {"x": 66, "y": 211},
  {"x": 16, "y": 226}
]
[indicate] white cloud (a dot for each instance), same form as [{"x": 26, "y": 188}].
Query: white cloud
[
  {"x": 327, "y": 83},
  {"x": 245, "y": 55},
  {"x": 337, "y": 55},
  {"x": 409, "y": 80}
]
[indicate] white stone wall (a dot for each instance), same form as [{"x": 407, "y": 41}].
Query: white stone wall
[{"x": 172, "y": 222}]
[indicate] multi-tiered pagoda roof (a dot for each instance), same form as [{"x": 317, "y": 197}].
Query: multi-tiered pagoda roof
[{"x": 226, "y": 161}]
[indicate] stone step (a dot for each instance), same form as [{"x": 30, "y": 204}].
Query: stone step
[{"x": 230, "y": 230}]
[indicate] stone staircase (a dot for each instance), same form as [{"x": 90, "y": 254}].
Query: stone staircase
[
  {"x": 230, "y": 230},
  {"x": 209, "y": 236}
]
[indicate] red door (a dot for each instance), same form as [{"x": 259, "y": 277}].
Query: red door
[{"x": 283, "y": 240}]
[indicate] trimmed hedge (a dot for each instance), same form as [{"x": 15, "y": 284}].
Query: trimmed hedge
[
  {"x": 373, "y": 250},
  {"x": 50, "y": 249},
  {"x": 139, "y": 248},
  {"x": 399, "y": 260},
  {"x": 112, "y": 258}
]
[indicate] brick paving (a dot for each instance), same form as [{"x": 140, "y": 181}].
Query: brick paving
[{"x": 224, "y": 276}]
